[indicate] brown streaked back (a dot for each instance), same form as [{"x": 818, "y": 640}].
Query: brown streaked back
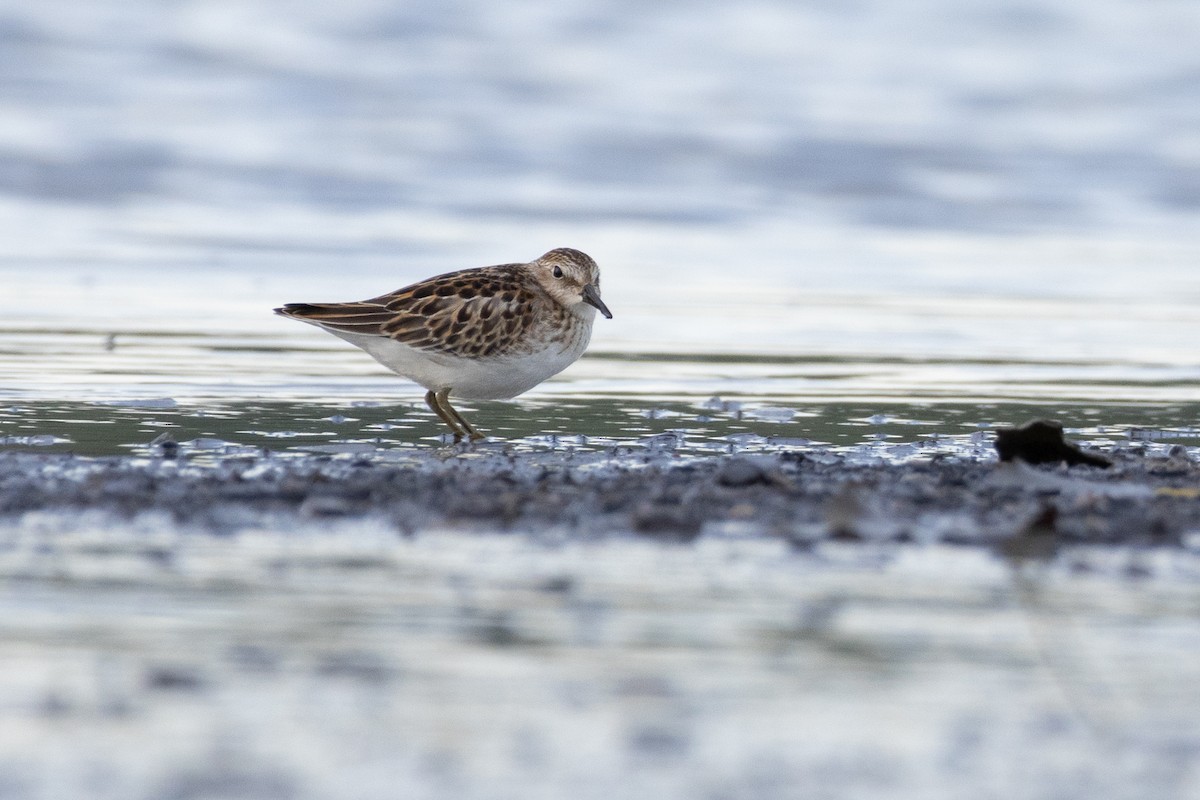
[
  {"x": 471, "y": 313},
  {"x": 366, "y": 318}
]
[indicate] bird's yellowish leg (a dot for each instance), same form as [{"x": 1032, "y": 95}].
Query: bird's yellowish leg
[
  {"x": 432, "y": 400},
  {"x": 443, "y": 399}
]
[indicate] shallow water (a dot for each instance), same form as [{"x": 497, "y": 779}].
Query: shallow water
[
  {"x": 616, "y": 424},
  {"x": 117, "y": 359},
  {"x": 793, "y": 206}
]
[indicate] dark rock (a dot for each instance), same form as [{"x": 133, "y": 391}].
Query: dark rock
[
  {"x": 168, "y": 448},
  {"x": 740, "y": 472},
  {"x": 1041, "y": 442}
]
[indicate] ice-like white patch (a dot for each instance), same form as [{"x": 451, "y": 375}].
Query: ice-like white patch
[
  {"x": 771, "y": 413},
  {"x": 34, "y": 440},
  {"x": 139, "y": 402}
]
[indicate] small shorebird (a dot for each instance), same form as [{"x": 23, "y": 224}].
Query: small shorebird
[{"x": 481, "y": 334}]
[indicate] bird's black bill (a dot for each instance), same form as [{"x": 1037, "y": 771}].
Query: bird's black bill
[{"x": 592, "y": 298}]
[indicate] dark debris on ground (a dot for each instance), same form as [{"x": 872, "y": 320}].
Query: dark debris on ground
[{"x": 801, "y": 497}]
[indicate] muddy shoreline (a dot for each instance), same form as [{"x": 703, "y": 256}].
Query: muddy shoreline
[{"x": 801, "y": 496}]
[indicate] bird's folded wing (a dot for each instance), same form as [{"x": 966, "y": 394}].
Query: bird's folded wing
[
  {"x": 466, "y": 322},
  {"x": 367, "y": 318},
  {"x": 469, "y": 314}
]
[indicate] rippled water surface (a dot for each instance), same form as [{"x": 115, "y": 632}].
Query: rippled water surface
[
  {"x": 97, "y": 360},
  {"x": 799, "y": 207}
]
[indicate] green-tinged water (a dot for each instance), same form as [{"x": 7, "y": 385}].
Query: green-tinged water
[
  {"x": 246, "y": 379},
  {"x": 889, "y": 429}
]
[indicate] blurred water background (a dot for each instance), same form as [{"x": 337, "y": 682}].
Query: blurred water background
[
  {"x": 817, "y": 221},
  {"x": 793, "y": 203}
]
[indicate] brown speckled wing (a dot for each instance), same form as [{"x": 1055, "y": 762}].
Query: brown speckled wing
[
  {"x": 367, "y": 318},
  {"x": 470, "y": 314}
]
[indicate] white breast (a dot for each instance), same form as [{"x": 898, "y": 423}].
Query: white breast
[{"x": 478, "y": 378}]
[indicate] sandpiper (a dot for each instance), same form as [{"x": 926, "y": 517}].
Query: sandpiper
[{"x": 489, "y": 333}]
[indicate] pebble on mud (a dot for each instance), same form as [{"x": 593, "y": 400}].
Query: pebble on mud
[
  {"x": 739, "y": 472},
  {"x": 1041, "y": 442}
]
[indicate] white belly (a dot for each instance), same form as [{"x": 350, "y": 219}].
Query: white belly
[{"x": 472, "y": 378}]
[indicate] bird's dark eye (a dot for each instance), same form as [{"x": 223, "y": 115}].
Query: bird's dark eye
[{"x": 558, "y": 272}]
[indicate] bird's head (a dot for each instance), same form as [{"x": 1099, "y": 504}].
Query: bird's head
[{"x": 572, "y": 278}]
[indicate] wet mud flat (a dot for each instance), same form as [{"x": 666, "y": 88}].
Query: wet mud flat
[
  {"x": 486, "y": 622},
  {"x": 801, "y": 496}
]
